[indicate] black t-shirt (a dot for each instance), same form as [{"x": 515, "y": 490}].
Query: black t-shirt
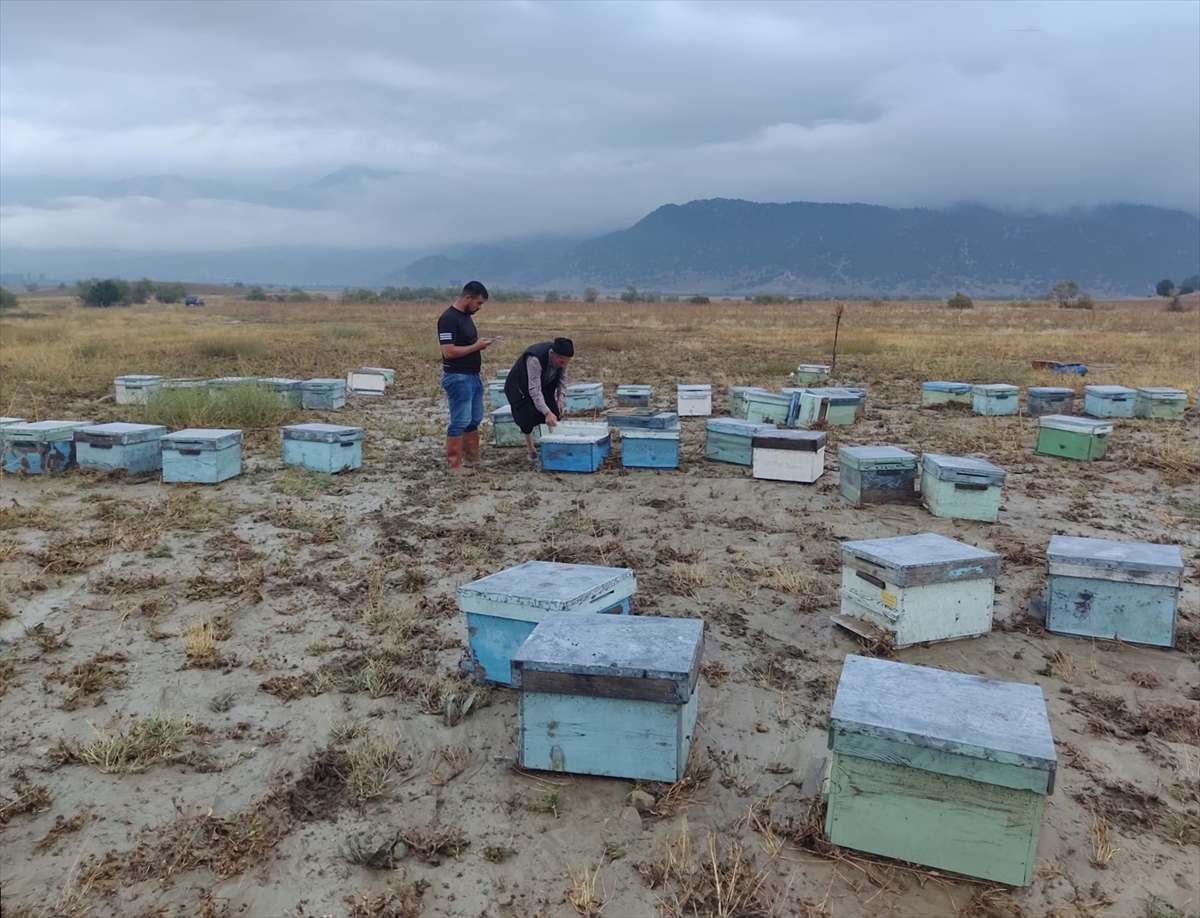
[{"x": 456, "y": 327}]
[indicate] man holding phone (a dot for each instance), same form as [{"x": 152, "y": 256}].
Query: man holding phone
[
  {"x": 536, "y": 387},
  {"x": 461, "y": 363}
]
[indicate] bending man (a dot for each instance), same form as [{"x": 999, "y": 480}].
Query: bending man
[{"x": 538, "y": 381}]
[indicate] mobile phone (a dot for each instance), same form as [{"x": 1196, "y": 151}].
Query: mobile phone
[{"x": 496, "y": 337}]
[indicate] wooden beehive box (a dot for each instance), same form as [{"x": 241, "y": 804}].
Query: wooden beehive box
[
  {"x": 575, "y": 447},
  {"x": 812, "y": 409},
  {"x": 502, "y": 609},
  {"x": 322, "y": 447},
  {"x": 585, "y": 397},
  {"x": 497, "y": 397},
  {"x": 4, "y": 422},
  {"x": 788, "y": 455},
  {"x": 877, "y": 474},
  {"x": 995, "y": 399},
  {"x": 645, "y": 448},
  {"x": 184, "y": 382},
  {"x": 323, "y": 394},
  {"x": 939, "y": 768},
  {"x": 505, "y": 431},
  {"x": 738, "y": 402},
  {"x": 1159, "y": 402},
  {"x": 811, "y": 372},
  {"x": 1109, "y": 401},
  {"x": 731, "y": 439},
  {"x": 286, "y": 389},
  {"x": 843, "y": 405},
  {"x": 917, "y": 588},
  {"x": 941, "y": 392},
  {"x": 136, "y": 389},
  {"x": 1102, "y": 588},
  {"x": 36, "y": 447},
  {"x": 1073, "y": 437},
  {"x": 360, "y": 382},
  {"x": 389, "y": 375},
  {"x": 201, "y": 455},
  {"x": 694, "y": 400},
  {"x": 644, "y": 418},
  {"x": 1041, "y": 400},
  {"x": 961, "y": 488},
  {"x": 633, "y": 395},
  {"x": 609, "y": 695},
  {"x": 775, "y": 408},
  {"x": 135, "y": 448}
]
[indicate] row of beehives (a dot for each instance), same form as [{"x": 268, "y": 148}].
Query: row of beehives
[
  {"x": 199, "y": 455},
  {"x": 328, "y": 394},
  {"x": 999, "y": 399}
]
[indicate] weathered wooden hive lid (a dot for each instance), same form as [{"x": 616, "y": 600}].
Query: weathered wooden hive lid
[
  {"x": 322, "y": 384},
  {"x": 964, "y": 469},
  {"x": 551, "y": 585},
  {"x": 497, "y": 383},
  {"x": 995, "y": 389},
  {"x": 639, "y": 658},
  {"x": 138, "y": 379},
  {"x": 922, "y": 559},
  {"x": 737, "y": 426},
  {"x": 784, "y": 397},
  {"x": 584, "y": 388},
  {"x": 322, "y": 433},
  {"x": 1050, "y": 391},
  {"x": 1075, "y": 424},
  {"x": 280, "y": 383},
  {"x": 694, "y": 389},
  {"x": 502, "y": 415},
  {"x": 1162, "y": 393},
  {"x": 7, "y": 421},
  {"x": 803, "y": 441},
  {"x": 942, "y": 385},
  {"x": 891, "y": 456},
  {"x": 671, "y": 432},
  {"x": 202, "y": 438},
  {"x": 1107, "y": 391},
  {"x": 42, "y": 431},
  {"x": 1135, "y": 562},
  {"x": 120, "y": 433},
  {"x": 946, "y": 722},
  {"x": 837, "y": 395},
  {"x": 185, "y": 382},
  {"x": 589, "y": 429},
  {"x": 745, "y": 389},
  {"x": 557, "y": 437},
  {"x": 813, "y": 368},
  {"x": 633, "y": 389},
  {"x": 642, "y": 417},
  {"x": 502, "y": 374},
  {"x": 233, "y": 381}
]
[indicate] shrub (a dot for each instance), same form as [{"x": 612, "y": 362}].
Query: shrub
[
  {"x": 630, "y": 295},
  {"x": 257, "y": 294},
  {"x": 1164, "y": 287},
  {"x": 141, "y": 291},
  {"x": 698, "y": 300},
  {"x": 239, "y": 407},
  {"x": 299, "y": 296},
  {"x": 590, "y": 295},
  {"x": 8, "y": 299},
  {"x": 960, "y": 301},
  {"x": 1085, "y": 301},
  {"x": 1175, "y": 304},
  {"x": 770, "y": 299},
  {"x": 551, "y": 296},
  {"x": 103, "y": 293},
  {"x": 169, "y": 293}
]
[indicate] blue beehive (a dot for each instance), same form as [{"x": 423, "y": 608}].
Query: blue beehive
[
  {"x": 633, "y": 396},
  {"x": 4, "y": 422},
  {"x": 574, "y": 452},
  {"x": 614, "y": 696},
  {"x": 995, "y": 399},
  {"x": 136, "y": 389},
  {"x": 288, "y": 390},
  {"x": 645, "y": 448},
  {"x": 323, "y": 394},
  {"x": 39, "y": 446},
  {"x": 322, "y": 447},
  {"x": 585, "y": 397},
  {"x": 877, "y": 474},
  {"x": 643, "y": 418},
  {"x": 730, "y": 439},
  {"x": 1108, "y": 401},
  {"x": 1041, "y": 400},
  {"x": 961, "y": 488},
  {"x": 502, "y": 609},
  {"x": 944, "y": 392},
  {"x": 136, "y": 448},
  {"x": 201, "y": 455},
  {"x": 1101, "y": 588}
]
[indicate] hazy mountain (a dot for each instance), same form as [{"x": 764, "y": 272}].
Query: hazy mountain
[{"x": 170, "y": 188}]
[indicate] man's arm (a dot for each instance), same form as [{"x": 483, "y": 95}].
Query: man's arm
[
  {"x": 451, "y": 351},
  {"x": 533, "y": 367},
  {"x": 561, "y": 394}
]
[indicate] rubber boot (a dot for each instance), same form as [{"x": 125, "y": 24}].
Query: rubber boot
[
  {"x": 454, "y": 455},
  {"x": 471, "y": 447}
]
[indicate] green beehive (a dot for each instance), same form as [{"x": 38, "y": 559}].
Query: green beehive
[
  {"x": 961, "y": 487},
  {"x": 939, "y": 768},
  {"x": 1073, "y": 437},
  {"x": 1159, "y": 402}
]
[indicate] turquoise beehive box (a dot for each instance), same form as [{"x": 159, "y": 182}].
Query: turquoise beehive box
[
  {"x": 575, "y": 446},
  {"x": 327, "y": 448},
  {"x": 646, "y": 448},
  {"x": 585, "y": 397},
  {"x": 201, "y": 455},
  {"x": 323, "y": 394},
  {"x": 497, "y": 397},
  {"x": 843, "y": 405},
  {"x": 37, "y": 447},
  {"x": 633, "y": 395},
  {"x": 737, "y": 399},
  {"x": 505, "y": 431},
  {"x": 1101, "y": 588},
  {"x": 1073, "y": 437},
  {"x": 136, "y": 389},
  {"x": 811, "y": 372},
  {"x": 877, "y": 474},
  {"x": 1041, "y": 400},
  {"x": 730, "y": 439},
  {"x": 1159, "y": 402},
  {"x": 776, "y": 408},
  {"x": 961, "y": 487},
  {"x": 609, "y": 695},
  {"x": 4, "y": 422},
  {"x": 1108, "y": 401},
  {"x": 944, "y": 392},
  {"x": 132, "y": 448},
  {"x": 939, "y": 768},
  {"x": 287, "y": 390},
  {"x": 642, "y": 418},
  {"x": 502, "y": 609},
  {"x": 995, "y": 399}
]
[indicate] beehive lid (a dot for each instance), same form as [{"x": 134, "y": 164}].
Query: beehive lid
[
  {"x": 569, "y": 437},
  {"x": 118, "y": 432},
  {"x": 962, "y": 469},
  {"x": 1050, "y": 391},
  {"x": 637, "y": 658},
  {"x": 804, "y": 441},
  {"x": 1075, "y": 424},
  {"x": 323, "y": 384},
  {"x": 836, "y": 395},
  {"x": 1107, "y": 391},
  {"x": 322, "y": 433},
  {"x": 737, "y": 427},
  {"x": 929, "y": 718},
  {"x": 995, "y": 389},
  {"x": 503, "y": 415},
  {"x": 861, "y": 457},
  {"x": 744, "y": 389},
  {"x": 584, "y": 388},
  {"x": 694, "y": 390},
  {"x": 502, "y": 374},
  {"x": 919, "y": 560},
  {"x": 280, "y": 383},
  {"x": 646, "y": 418},
  {"x": 202, "y": 438},
  {"x": 812, "y": 368},
  {"x": 592, "y": 430},
  {"x": 6, "y": 421},
  {"x": 496, "y": 384},
  {"x": 185, "y": 382},
  {"x": 1110, "y": 559},
  {"x": 1162, "y": 393},
  {"x": 233, "y": 381},
  {"x": 138, "y": 379},
  {"x": 551, "y": 585},
  {"x": 762, "y": 396},
  {"x": 941, "y": 385},
  {"x": 655, "y": 433},
  {"x": 633, "y": 389},
  {"x": 42, "y": 431}
]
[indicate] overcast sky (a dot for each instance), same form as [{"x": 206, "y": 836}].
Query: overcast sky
[{"x": 514, "y": 118}]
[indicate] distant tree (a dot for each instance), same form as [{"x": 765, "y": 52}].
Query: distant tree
[
  {"x": 169, "y": 293},
  {"x": 298, "y": 296},
  {"x": 31, "y": 287},
  {"x": 699, "y": 300},
  {"x": 651, "y": 297},
  {"x": 590, "y": 295},
  {"x": 770, "y": 299},
  {"x": 103, "y": 293},
  {"x": 320, "y": 298},
  {"x": 1164, "y": 287},
  {"x": 1184, "y": 291},
  {"x": 239, "y": 284},
  {"x": 1064, "y": 291},
  {"x": 551, "y": 296},
  {"x": 672, "y": 298},
  {"x": 1175, "y": 305},
  {"x": 1085, "y": 301},
  {"x": 62, "y": 286},
  {"x": 8, "y": 299},
  {"x": 257, "y": 294},
  {"x": 141, "y": 291},
  {"x": 960, "y": 301},
  {"x": 1190, "y": 284},
  {"x": 630, "y": 295}
]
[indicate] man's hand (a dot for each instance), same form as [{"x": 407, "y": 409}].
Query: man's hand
[
  {"x": 551, "y": 420},
  {"x": 485, "y": 343}
]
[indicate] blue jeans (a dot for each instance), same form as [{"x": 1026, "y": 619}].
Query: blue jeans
[{"x": 464, "y": 392}]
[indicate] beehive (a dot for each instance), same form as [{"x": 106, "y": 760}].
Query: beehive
[
  {"x": 777, "y": 408},
  {"x": 36, "y": 447},
  {"x": 591, "y": 430},
  {"x": 843, "y": 405},
  {"x": 1159, "y": 402},
  {"x": 917, "y": 588},
  {"x": 1041, "y": 400},
  {"x": 502, "y": 374},
  {"x": 184, "y": 382},
  {"x": 585, "y": 397},
  {"x": 135, "y": 448},
  {"x": 497, "y": 397},
  {"x": 995, "y": 399},
  {"x": 327, "y": 448},
  {"x": 389, "y": 376},
  {"x": 877, "y": 474},
  {"x": 860, "y": 410},
  {"x": 1073, "y": 437},
  {"x": 1108, "y": 401},
  {"x": 502, "y": 609},
  {"x": 361, "y": 383},
  {"x": 939, "y": 768},
  {"x": 694, "y": 401},
  {"x": 201, "y": 455},
  {"x": 961, "y": 488},
  {"x": 633, "y": 396},
  {"x": 813, "y": 409},
  {"x": 1126, "y": 591},
  {"x": 323, "y": 394},
  {"x": 136, "y": 389},
  {"x": 811, "y": 372},
  {"x": 738, "y": 399},
  {"x": 571, "y": 451},
  {"x": 4, "y": 422},
  {"x": 609, "y": 695},
  {"x": 287, "y": 390},
  {"x": 642, "y": 418},
  {"x": 646, "y": 448},
  {"x": 505, "y": 431},
  {"x": 788, "y": 455},
  {"x": 942, "y": 392},
  {"x": 731, "y": 440}
]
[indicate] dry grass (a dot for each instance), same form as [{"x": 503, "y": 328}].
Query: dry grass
[
  {"x": 374, "y": 764},
  {"x": 586, "y": 893},
  {"x": 1103, "y": 849}
]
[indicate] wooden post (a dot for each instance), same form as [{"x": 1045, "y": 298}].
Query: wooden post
[{"x": 840, "y": 308}]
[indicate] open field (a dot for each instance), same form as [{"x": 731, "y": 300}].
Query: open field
[{"x": 245, "y": 698}]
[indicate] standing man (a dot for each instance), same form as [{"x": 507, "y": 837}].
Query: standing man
[
  {"x": 538, "y": 380},
  {"x": 461, "y": 363}
]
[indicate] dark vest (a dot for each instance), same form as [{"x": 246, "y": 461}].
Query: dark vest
[{"x": 516, "y": 384}]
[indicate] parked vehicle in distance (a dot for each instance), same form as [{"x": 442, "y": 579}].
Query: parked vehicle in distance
[{"x": 193, "y": 301}]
